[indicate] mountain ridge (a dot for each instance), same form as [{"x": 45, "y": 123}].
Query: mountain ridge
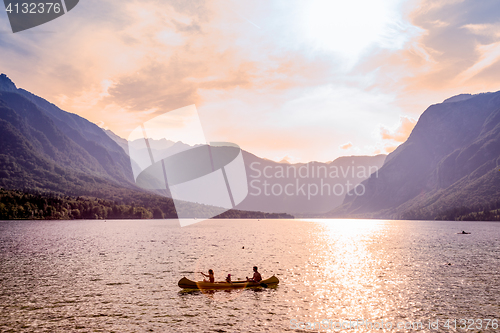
[
  {"x": 87, "y": 136},
  {"x": 451, "y": 153},
  {"x": 299, "y": 203}
]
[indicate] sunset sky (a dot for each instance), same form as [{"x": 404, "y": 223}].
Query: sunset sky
[{"x": 284, "y": 79}]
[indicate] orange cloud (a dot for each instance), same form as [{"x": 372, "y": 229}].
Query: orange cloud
[
  {"x": 390, "y": 149},
  {"x": 346, "y": 146},
  {"x": 246, "y": 69},
  {"x": 455, "y": 49},
  {"x": 401, "y": 133}
]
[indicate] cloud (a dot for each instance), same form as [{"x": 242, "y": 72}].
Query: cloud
[
  {"x": 454, "y": 50},
  {"x": 254, "y": 76},
  {"x": 346, "y": 146},
  {"x": 401, "y": 132},
  {"x": 491, "y": 30},
  {"x": 390, "y": 148},
  {"x": 455, "y": 34}
]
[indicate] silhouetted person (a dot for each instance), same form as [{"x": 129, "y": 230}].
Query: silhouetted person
[
  {"x": 210, "y": 276},
  {"x": 256, "y": 276}
]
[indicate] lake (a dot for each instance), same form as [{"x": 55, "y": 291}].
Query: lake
[{"x": 121, "y": 276}]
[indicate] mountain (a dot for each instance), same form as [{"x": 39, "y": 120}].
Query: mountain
[
  {"x": 37, "y": 155},
  {"x": 47, "y": 149},
  {"x": 56, "y": 165},
  {"x": 160, "y": 148},
  {"x": 304, "y": 189},
  {"x": 6, "y": 84},
  {"x": 451, "y": 159},
  {"x": 72, "y": 141},
  {"x": 271, "y": 184},
  {"x": 89, "y": 136},
  {"x": 120, "y": 141}
]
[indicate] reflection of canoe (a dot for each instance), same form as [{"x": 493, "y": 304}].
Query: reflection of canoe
[{"x": 188, "y": 284}]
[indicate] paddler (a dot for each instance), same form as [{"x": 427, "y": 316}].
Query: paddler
[{"x": 210, "y": 276}]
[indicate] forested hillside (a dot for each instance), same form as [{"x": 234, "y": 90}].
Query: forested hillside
[{"x": 50, "y": 206}]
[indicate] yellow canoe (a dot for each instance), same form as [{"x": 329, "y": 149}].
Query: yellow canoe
[{"x": 188, "y": 284}]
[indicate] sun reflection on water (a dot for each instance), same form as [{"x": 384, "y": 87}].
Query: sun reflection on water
[
  {"x": 122, "y": 276},
  {"x": 348, "y": 270}
]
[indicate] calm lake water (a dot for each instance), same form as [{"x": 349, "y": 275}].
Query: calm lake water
[{"x": 121, "y": 276}]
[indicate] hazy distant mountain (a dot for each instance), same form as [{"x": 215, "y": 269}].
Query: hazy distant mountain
[
  {"x": 308, "y": 189},
  {"x": 284, "y": 187},
  {"x": 161, "y": 148},
  {"x": 451, "y": 159}
]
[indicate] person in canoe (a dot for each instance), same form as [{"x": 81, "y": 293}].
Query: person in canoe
[
  {"x": 210, "y": 276},
  {"x": 256, "y": 275},
  {"x": 228, "y": 278}
]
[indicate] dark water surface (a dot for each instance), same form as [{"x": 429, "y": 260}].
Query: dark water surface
[{"x": 121, "y": 276}]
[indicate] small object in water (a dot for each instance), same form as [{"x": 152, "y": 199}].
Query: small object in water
[{"x": 243, "y": 247}]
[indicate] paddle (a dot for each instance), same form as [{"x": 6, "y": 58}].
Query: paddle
[{"x": 262, "y": 284}]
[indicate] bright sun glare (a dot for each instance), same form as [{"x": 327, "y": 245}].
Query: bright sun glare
[{"x": 347, "y": 28}]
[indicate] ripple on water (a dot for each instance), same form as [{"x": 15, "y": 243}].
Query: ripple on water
[{"x": 122, "y": 276}]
